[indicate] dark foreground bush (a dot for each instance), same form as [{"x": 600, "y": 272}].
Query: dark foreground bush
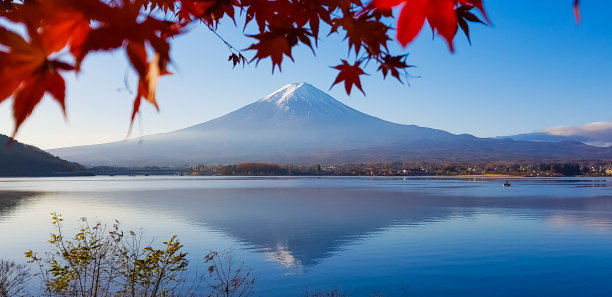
[
  {"x": 102, "y": 261},
  {"x": 13, "y": 278}
]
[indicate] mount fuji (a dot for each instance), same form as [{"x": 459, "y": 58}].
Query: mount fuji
[{"x": 301, "y": 124}]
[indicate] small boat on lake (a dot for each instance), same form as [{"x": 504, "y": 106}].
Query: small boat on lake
[{"x": 506, "y": 184}]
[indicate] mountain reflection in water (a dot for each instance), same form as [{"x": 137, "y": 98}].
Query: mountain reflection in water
[
  {"x": 10, "y": 200},
  {"x": 436, "y": 234},
  {"x": 296, "y": 227},
  {"x": 300, "y": 226}
]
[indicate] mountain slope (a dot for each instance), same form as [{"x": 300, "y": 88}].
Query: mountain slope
[
  {"x": 303, "y": 125},
  {"x": 19, "y": 159}
]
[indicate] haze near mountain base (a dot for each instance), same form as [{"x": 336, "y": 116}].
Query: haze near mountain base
[{"x": 300, "y": 124}]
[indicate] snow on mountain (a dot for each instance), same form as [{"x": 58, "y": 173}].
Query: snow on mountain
[
  {"x": 298, "y": 102},
  {"x": 301, "y": 124},
  {"x": 304, "y": 99}
]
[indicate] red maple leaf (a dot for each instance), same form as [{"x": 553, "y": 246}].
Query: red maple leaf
[
  {"x": 312, "y": 11},
  {"x": 237, "y": 59},
  {"x": 163, "y": 5},
  {"x": 464, "y": 15},
  {"x": 440, "y": 14},
  {"x": 350, "y": 75},
  {"x": 193, "y": 9},
  {"x": 278, "y": 42},
  {"x": 122, "y": 25},
  {"x": 393, "y": 64},
  {"x": 57, "y": 23},
  {"x": 577, "y": 10},
  {"x": 361, "y": 31},
  {"x": 125, "y": 26},
  {"x": 147, "y": 84},
  {"x": 27, "y": 74},
  {"x": 262, "y": 11},
  {"x": 220, "y": 8}
]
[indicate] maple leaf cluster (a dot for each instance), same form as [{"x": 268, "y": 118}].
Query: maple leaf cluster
[
  {"x": 444, "y": 17},
  {"x": 31, "y": 63}
]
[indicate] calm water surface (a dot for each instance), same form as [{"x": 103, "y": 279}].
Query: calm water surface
[{"x": 401, "y": 237}]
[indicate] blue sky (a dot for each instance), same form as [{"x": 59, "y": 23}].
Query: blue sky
[{"x": 532, "y": 69}]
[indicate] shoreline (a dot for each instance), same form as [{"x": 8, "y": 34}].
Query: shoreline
[{"x": 489, "y": 175}]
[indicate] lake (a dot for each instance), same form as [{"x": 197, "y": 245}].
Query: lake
[{"x": 398, "y": 236}]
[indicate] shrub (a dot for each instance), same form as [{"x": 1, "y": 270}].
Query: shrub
[
  {"x": 226, "y": 279},
  {"x": 101, "y": 261},
  {"x": 13, "y": 278}
]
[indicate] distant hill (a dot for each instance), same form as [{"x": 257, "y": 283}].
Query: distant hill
[
  {"x": 300, "y": 124},
  {"x": 18, "y": 159}
]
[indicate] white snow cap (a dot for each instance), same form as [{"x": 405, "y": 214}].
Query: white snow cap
[
  {"x": 294, "y": 91},
  {"x": 304, "y": 98}
]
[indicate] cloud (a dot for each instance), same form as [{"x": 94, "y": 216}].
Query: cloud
[
  {"x": 588, "y": 129},
  {"x": 596, "y": 133}
]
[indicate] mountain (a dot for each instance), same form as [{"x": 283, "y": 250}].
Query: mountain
[
  {"x": 301, "y": 124},
  {"x": 19, "y": 159},
  {"x": 595, "y": 134}
]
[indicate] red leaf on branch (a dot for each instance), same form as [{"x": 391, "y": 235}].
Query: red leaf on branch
[
  {"x": 209, "y": 11},
  {"x": 27, "y": 74},
  {"x": 193, "y": 9},
  {"x": 163, "y": 5},
  {"x": 63, "y": 28},
  {"x": 478, "y": 4},
  {"x": 439, "y": 13},
  {"x": 147, "y": 85},
  {"x": 443, "y": 19},
  {"x": 32, "y": 91},
  {"x": 125, "y": 26},
  {"x": 393, "y": 64},
  {"x": 218, "y": 10},
  {"x": 57, "y": 23},
  {"x": 312, "y": 11},
  {"x": 463, "y": 17},
  {"x": 278, "y": 42},
  {"x": 237, "y": 59},
  {"x": 361, "y": 31},
  {"x": 262, "y": 11},
  {"x": 411, "y": 18},
  {"x": 577, "y": 11},
  {"x": 273, "y": 46},
  {"x": 350, "y": 75},
  {"x": 343, "y": 5},
  {"x": 137, "y": 54}
]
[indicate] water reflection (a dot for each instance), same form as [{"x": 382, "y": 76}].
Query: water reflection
[
  {"x": 11, "y": 200},
  {"x": 597, "y": 223},
  {"x": 300, "y": 226},
  {"x": 284, "y": 256},
  {"x": 296, "y": 227},
  {"x": 452, "y": 237}
]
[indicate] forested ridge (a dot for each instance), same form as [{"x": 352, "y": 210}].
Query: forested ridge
[{"x": 18, "y": 159}]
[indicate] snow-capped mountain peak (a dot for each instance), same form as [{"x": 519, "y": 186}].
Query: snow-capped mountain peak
[
  {"x": 294, "y": 92},
  {"x": 303, "y": 98},
  {"x": 300, "y": 124}
]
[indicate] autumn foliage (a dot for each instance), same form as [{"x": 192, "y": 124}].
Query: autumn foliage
[{"x": 59, "y": 34}]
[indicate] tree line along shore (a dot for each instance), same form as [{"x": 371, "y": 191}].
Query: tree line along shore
[{"x": 491, "y": 169}]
